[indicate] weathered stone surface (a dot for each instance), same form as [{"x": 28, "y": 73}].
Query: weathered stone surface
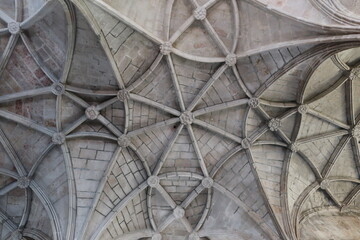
[
  {"x": 178, "y": 212},
  {"x": 207, "y": 182},
  {"x": 124, "y": 141},
  {"x": 165, "y": 48},
  {"x": 200, "y": 13},
  {"x": 24, "y": 182},
  {"x": 196, "y": 110},
  {"x": 274, "y": 124},
  {"x": 92, "y": 113},
  {"x": 254, "y": 102},
  {"x": 187, "y": 118},
  {"x": 153, "y": 181},
  {"x": 14, "y": 27}
]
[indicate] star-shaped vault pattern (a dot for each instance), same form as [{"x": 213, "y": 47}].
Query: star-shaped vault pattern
[{"x": 178, "y": 130}]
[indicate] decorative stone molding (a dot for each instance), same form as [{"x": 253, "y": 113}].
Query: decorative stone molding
[
  {"x": 187, "y": 118},
  {"x": 58, "y": 89},
  {"x": 58, "y": 138},
  {"x": 200, "y": 13},
  {"x": 91, "y": 113},
  {"x": 230, "y": 59},
  {"x": 354, "y": 73},
  {"x": 179, "y": 212},
  {"x": 303, "y": 109},
  {"x": 337, "y": 11},
  {"x": 153, "y": 181},
  {"x": 294, "y": 147},
  {"x": 16, "y": 235},
  {"x": 14, "y": 27},
  {"x": 166, "y": 48},
  {"x": 207, "y": 182},
  {"x": 194, "y": 236},
  {"x": 24, "y": 182},
  {"x": 253, "y": 102},
  {"x": 246, "y": 143},
  {"x": 274, "y": 124},
  {"x": 124, "y": 141},
  {"x": 123, "y": 95},
  {"x": 324, "y": 184},
  {"x": 355, "y": 132},
  {"x": 156, "y": 236},
  {"x": 345, "y": 209}
]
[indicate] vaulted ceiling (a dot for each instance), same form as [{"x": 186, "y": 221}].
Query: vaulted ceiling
[{"x": 179, "y": 119}]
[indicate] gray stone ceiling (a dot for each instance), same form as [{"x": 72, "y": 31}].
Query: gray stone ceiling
[{"x": 179, "y": 119}]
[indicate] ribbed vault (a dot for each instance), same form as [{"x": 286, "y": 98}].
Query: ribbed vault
[{"x": 179, "y": 119}]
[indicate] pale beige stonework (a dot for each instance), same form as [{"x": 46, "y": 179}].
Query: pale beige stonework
[{"x": 179, "y": 120}]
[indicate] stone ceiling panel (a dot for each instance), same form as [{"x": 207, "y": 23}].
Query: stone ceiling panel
[{"x": 199, "y": 120}]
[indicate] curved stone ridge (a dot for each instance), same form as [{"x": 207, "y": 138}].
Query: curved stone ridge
[
  {"x": 337, "y": 11},
  {"x": 211, "y": 141}
]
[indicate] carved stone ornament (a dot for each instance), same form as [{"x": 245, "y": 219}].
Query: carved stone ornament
[
  {"x": 124, "y": 141},
  {"x": 153, "y": 181},
  {"x": 186, "y": 118},
  {"x": 354, "y": 73},
  {"x": 58, "y": 89},
  {"x": 14, "y": 27},
  {"x": 230, "y": 59},
  {"x": 200, "y": 13},
  {"x": 355, "y": 132},
  {"x": 123, "y": 95},
  {"x": 294, "y": 147},
  {"x": 207, "y": 182},
  {"x": 246, "y": 143},
  {"x": 179, "y": 212},
  {"x": 254, "y": 102},
  {"x": 58, "y": 138},
  {"x": 24, "y": 182},
  {"x": 303, "y": 109},
  {"x": 274, "y": 124},
  {"x": 165, "y": 48},
  {"x": 91, "y": 113}
]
